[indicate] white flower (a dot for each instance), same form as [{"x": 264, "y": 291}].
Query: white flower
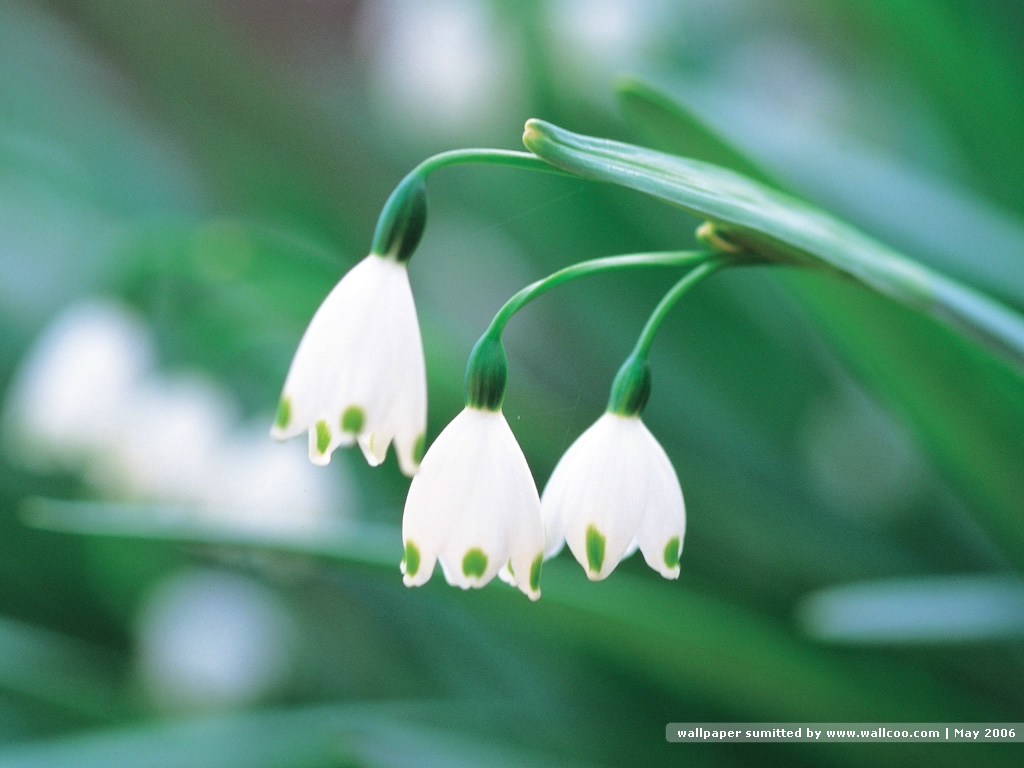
[
  {"x": 612, "y": 491},
  {"x": 474, "y": 506},
  {"x": 89, "y": 399},
  {"x": 67, "y": 400},
  {"x": 263, "y": 488},
  {"x": 442, "y": 67},
  {"x": 359, "y": 372},
  {"x": 172, "y": 429},
  {"x": 208, "y": 639}
]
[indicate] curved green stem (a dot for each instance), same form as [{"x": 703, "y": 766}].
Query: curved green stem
[
  {"x": 592, "y": 267},
  {"x": 643, "y": 343},
  {"x": 632, "y": 384},
  {"x": 403, "y": 217},
  {"x": 514, "y": 158},
  {"x": 486, "y": 370}
]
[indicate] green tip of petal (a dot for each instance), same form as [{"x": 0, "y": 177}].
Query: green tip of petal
[
  {"x": 672, "y": 552},
  {"x": 535, "y": 572},
  {"x": 284, "y": 413},
  {"x": 352, "y": 420},
  {"x": 323, "y": 436},
  {"x": 595, "y": 549},
  {"x": 419, "y": 448},
  {"x": 411, "y": 559},
  {"x": 474, "y": 563}
]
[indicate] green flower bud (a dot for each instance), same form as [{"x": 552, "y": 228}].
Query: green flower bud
[
  {"x": 631, "y": 388},
  {"x": 401, "y": 223},
  {"x": 486, "y": 374}
]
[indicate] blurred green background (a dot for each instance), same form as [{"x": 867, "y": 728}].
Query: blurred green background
[{"x": 183, "y": 183}]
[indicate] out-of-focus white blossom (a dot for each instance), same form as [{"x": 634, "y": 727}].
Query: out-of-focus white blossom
[
  {"x": 442, "y": 67},
  {"x": 88, "y": 399},
  {"x": 272, "y": 488},
  {"x": 67, "y": 399},
  {"x": 212, "y": 639},
  {"x": 171, "y": 430}
]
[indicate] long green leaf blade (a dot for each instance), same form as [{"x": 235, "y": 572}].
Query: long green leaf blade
[{"x": 780, "y": 228}]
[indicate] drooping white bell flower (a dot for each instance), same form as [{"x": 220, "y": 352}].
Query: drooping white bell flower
[
  {"x": 359, "y": 373},
  {"x": 614, "y": 490},
  {"x": 474, "y": 506}
]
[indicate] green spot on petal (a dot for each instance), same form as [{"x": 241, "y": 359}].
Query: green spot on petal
[
  {"x": 672, "y": 552},
  {"x": 474, "y": 563},
  {"x": 352, "y": 419},
  {"x": 284, "y": 413},
  {"x": 419, "y": 448},
  {"x": 595, "y": 549},
  {"x": 323, "y": 436},
  {"x": 411, "y": 559},
  {"x": 535, "y": 572}
]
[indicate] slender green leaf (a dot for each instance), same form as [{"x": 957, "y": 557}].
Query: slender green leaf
[
  {"x": 667, "y": 125},
  {"x": 930, "y": 609},
  {"x": 923, "y": 212},
  {"x": 780, "y": 228},
  {"x": 397, "y": 734},
  {"x": 350, "y": 540}
]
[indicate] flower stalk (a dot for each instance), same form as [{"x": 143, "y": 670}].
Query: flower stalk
[
  {"x": 632, "y": 385},
  {"x": 403, "y": 219},
  {"x": 487, "y": 369},
  {"x": 615, "y": 490},
  {"x": 594, "y": 267}
]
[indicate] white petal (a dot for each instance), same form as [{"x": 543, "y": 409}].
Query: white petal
[
  {"x": 374, "y": 447},
  {"x": 663, "y": 526},
  {"x": 408, "y": 413},
  {"x": 311, "y": 385},
  {"x": 576, "y": 493},
  {"x": 478, "y": 544},
  {"x": 396, "y": 396},
  {"x": 322, "y": 441},
  {"x": 409, "y": 449},
  {"x": 436, "y": 495},
  {"x": 611, "y": 497},
  {"x": 526, "y": 537},
  {"x": 503, "y": 519},
  {"x": 556, "y": 498}
]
